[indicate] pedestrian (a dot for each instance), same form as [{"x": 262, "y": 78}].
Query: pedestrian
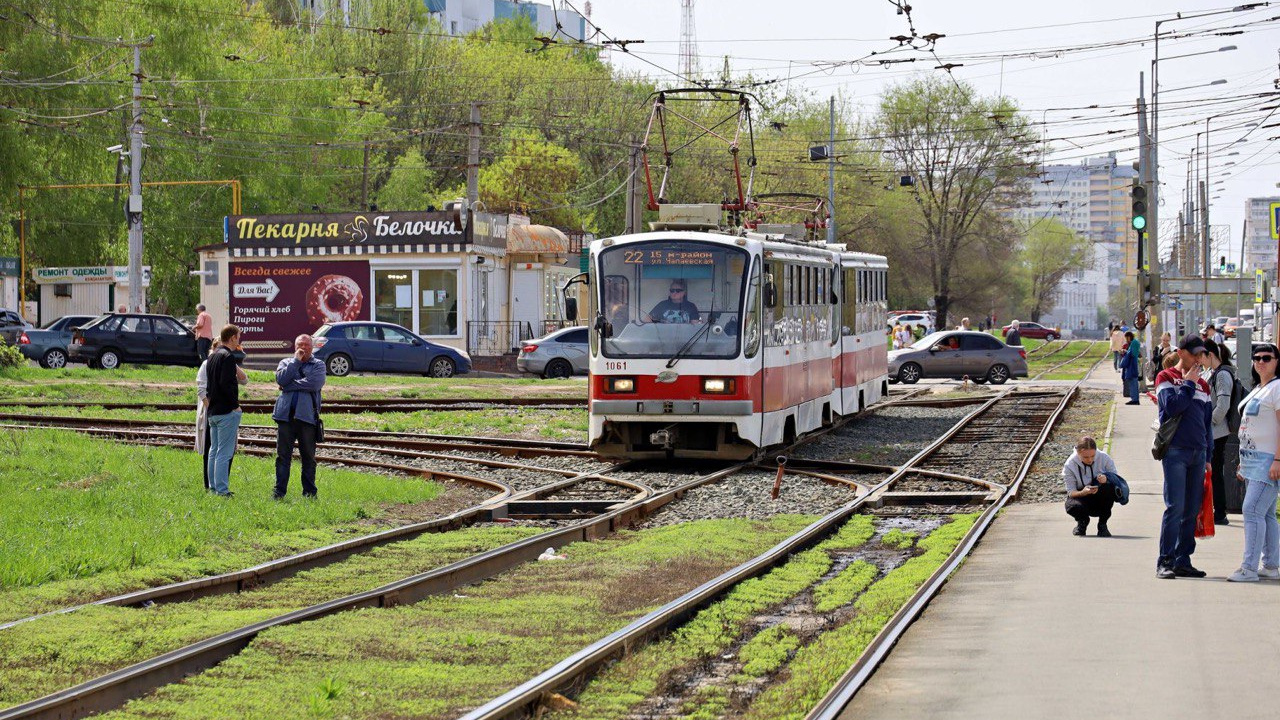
[
  {"x": 965, "y": 324},
  {"x": 1183, "y": 393},
  {"x": 122, "y": 309},
  {"x": 1215, "y": 334},
  {"x": 1158, "y": 355},
  {"x": 1259, "y": 468},
  {"x": 1117, "y": 347},
  {"x": 204, "y": 332},
  {"x": 224, "y": 376},
  {"x": 1013, "y": 337},
  {"x": 1222, "y": 378},
  {"x": 1093, "y": 486},
  {"x": 202, "y": 417},
  {"x": 1131, "y": 368},
  {"x": 297, "y": 415},
  {"x": 904, "y": 336}
]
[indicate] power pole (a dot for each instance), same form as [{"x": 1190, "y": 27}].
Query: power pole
[
  {"x": 133, "y": 209},
  {"x": 364, "y": 179},
  {"x": 473, "y": 157},
  {"x": 831, "y": 172}
]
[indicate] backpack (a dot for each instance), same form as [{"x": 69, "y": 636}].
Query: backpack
[{"x": 1237, "y": 394}]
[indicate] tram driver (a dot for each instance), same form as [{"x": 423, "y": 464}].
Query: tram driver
[{"x": 676, "y": 308}]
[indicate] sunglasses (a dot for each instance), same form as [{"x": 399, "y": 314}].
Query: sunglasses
[{"x": 1263, "y": 358}]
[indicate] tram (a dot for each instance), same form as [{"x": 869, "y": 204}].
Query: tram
[{"x": 719, "y": 345}]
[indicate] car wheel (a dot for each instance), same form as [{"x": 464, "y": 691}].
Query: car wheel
[
  {"x": 1050, "y": 337},
  {"x": 441, "y": 367},
  {"x": 980, "y": 381},
  {"x": 339, "y": 365},
  {"x": 998, "y": 374},
  {"x": 910, "y": 373},
  {"x": 55, "y": 359},
  {"x": 557, "y": 369},
  {"x": 108, "y": 360}
]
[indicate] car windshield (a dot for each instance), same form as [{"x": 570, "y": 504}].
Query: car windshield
[
  {"x": 665, "y": 298},
  {"x": 928, "y": 341}
]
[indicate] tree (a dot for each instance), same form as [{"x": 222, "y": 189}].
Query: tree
[
  {"x": 966, "y": 155},
  {"x": 1050, "y": 252}
]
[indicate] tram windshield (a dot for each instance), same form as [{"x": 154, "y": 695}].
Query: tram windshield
[{"x": 669, "y": 298}]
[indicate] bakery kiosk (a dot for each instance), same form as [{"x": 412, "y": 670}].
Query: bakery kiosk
[{"x": 278, "y": 276}]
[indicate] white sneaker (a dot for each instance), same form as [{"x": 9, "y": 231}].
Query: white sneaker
[
  {"x": 1267, "y": 573},
  {"x": 1243, "y": 575}
]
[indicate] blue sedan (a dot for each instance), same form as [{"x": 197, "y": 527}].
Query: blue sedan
[
  {"x": 382, "y": 347},
  {"x": 48, "y": 345}
]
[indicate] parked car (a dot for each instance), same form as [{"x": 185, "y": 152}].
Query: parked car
[
  {"x": 558, "y": 355},
  {"x": 382, "y": 347},
  {"x": 48, "y": 345},
  {"x": 913, "y": 320},
  {"x": 12, "y": 326},
  {"x": 1034, "y": 330},
  {"x": 1228, "y": 328},
  {"x": 957, "y": 354},
  {"x": 109, "y": 340}
]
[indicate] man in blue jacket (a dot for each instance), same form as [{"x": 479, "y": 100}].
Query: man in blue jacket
[
  {"x": 297, "y": 413},
  {"x": 1182, "y": 392}
]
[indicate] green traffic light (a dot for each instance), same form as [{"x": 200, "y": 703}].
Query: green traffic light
[{"x": 1139, "y": 222}]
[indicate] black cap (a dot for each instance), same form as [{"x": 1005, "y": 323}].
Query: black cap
[{"x": 1193, "y": 344}]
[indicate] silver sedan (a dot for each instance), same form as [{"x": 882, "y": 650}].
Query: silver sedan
[
  {"x": 558, "y": 355},
  {"x": 957, "y": 354}
]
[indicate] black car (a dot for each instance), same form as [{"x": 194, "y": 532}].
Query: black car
[
  {"x": 12, "y": 326},
  {"x": 117, "y": 338}
]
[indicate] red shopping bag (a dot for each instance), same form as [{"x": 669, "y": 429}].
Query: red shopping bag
[{"x": 1204, "y": 520}]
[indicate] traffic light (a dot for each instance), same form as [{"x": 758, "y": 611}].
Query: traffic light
[
  {"x": 1222, "y": 263},
  {"x": 1139, "y": 195}
]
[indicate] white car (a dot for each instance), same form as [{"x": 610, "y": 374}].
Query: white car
[{"x": 912, "y": 320}]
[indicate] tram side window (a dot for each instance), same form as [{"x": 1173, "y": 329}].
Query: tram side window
[{"x": 617, "y": 301}]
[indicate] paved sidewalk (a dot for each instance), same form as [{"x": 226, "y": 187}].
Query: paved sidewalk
[{"x": 1039, "y": 623}]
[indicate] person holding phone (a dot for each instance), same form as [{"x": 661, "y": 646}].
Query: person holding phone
[
  {"x": 1183, "y": 393},
  {"x": 1259, "y": 468},
  {"x": 1091, "y": 479}
]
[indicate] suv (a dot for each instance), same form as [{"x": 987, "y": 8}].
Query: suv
[
  {"x": 48, "y": 346},
  {"x": 117, "y": 338},
  {"x": 558, "y": 355},
  {"x": 11, "y": 326}
]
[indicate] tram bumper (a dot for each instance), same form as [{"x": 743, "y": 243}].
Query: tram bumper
[{"x": 706, "y": 429}]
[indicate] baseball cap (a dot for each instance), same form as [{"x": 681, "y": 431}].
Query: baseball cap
[{"x": 1192, "y": 343}]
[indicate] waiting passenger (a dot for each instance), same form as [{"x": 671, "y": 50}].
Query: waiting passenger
[
  {"x": 1260, "y": 468},
  {"x": 676, "y": 308},
  {"x": 1093, "y": 486}
]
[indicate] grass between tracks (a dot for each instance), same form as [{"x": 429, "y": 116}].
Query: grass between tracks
[
  {"x": 86, "y": 518},
  {"x": 797, "y": 675},
  {"x": 522, "y": 422},
  {"x": 159, "y": 383},
  {"x": 436, "y": 657},
  {"x": 1081, "y": 367}
]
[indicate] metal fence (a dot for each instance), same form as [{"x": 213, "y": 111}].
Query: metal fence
[{"x": 496, "y": 337}]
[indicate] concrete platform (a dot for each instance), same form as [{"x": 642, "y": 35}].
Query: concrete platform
[{"x": 1039, "y": 623}]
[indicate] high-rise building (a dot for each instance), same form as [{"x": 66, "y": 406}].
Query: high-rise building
[
  {"x": 1092, "y": 200},
  {"x": 1259, "y": 248},
  {"x": 459, "y": 17}
]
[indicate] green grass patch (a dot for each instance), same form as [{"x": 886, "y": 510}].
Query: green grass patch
[
  {"x": 895, "y": 537},
  {"x": 767, "y": 651},
  {"x": 436, "y": 657},
  {"x": 816, "y": 667},
  {"x": 78, "y": 507},
  {"x": 45, "y": 655},
  {"x": 843, "y": 588},
  {"x": 615, "y": 692}
]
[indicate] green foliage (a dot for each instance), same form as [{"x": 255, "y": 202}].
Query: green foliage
[
  {"x": 767, "y": 651},
  {"x": 843, "y": 588},
  {"x": 10, "y": 357},
  {"x": 1050, "y": 252},
  {"x": 76, "y": 507},
  {"x": 895, "y": 537}
]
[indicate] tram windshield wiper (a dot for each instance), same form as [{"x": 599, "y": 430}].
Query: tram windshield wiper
[{"x": 706, "y": 327}]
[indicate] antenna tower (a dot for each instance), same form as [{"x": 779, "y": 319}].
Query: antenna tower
[{"x": 688, "y": 41}]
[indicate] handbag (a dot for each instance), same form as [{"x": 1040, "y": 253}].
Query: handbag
[
  {"x": 1204, "y": 518},
  {"x": 319, "y": 423},
  {"x": 1164, "y": 436}
]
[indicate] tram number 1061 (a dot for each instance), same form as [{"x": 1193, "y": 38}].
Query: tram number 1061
[{"x": 615, "y": 365}]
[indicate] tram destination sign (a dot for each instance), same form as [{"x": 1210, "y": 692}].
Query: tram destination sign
[
  {"x": 670, "y": 256},
  {"x": 335, "y": 229}
]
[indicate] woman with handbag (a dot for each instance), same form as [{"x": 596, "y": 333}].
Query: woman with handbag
[
  {"x": 1259, "y": 468},
  {"x": 1184, "y": 447}
]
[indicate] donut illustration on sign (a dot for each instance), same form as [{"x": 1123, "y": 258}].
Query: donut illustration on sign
[{"x": 333, "y": 298}]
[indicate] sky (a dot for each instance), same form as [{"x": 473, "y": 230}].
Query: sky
[{"x": 792, "y": 41}]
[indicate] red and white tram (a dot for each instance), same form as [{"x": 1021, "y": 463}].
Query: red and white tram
[{"x": 714, "y": 345}]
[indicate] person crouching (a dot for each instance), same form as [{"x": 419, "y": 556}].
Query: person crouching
[{"x": 1093, "y": 486}]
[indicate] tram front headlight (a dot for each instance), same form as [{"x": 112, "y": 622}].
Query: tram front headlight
[
  {"x": 718, "y": 386},
  {"x": 622, "y": 385}
]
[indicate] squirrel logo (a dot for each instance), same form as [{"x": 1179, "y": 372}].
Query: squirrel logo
[{"x": 358, "y": 228}]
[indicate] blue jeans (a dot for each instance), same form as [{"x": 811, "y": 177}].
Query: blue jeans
[
  {"x": 1115, "y": 359},
  {"x": 1183, "y": 493},
  {"x": 1131, "y": 389},
  {"x": 1261, "y": 530},
  {"x": 223, "y": 430}
]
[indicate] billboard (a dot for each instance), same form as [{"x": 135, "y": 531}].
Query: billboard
[
  {"x": 344, "y": 229},
  {"x": 274, "y": 302}
]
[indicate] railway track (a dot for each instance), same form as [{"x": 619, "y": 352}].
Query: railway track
[
  {"x": 606, "y": 516},
  {"x": 1049, "y": 371},
  {"x": 1031, "y": 416},
  {"x": 405, "y": 405}
]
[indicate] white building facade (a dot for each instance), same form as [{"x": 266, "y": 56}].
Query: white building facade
[{"x": 1259, "y": 248}]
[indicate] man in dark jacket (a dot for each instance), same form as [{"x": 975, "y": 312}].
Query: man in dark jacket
[
  {"x": 1013, "y": 337},
  {"x": 225, "y": 378},
  {"x": 297, "y": 414},
  {"x": 1182, "y": 392}
]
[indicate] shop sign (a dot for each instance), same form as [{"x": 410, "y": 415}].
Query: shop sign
[
  {"x": 337, "y": 229},
  {"x": 274, "y": 302},
  {"x": 9, "y": 267},
  {"x": 97, "y": 275}
]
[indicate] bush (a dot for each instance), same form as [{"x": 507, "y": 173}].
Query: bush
[{"x": 10, "y": 356}]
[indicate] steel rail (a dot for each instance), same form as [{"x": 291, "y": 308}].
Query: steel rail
[
  {"x": 834, "y": 703},
  {"x": 569, "y": 673},
  {"x": 114, "y": 689},
  {"x": 1065, "y": 363},
  {"x": 354, "y": 405}
]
